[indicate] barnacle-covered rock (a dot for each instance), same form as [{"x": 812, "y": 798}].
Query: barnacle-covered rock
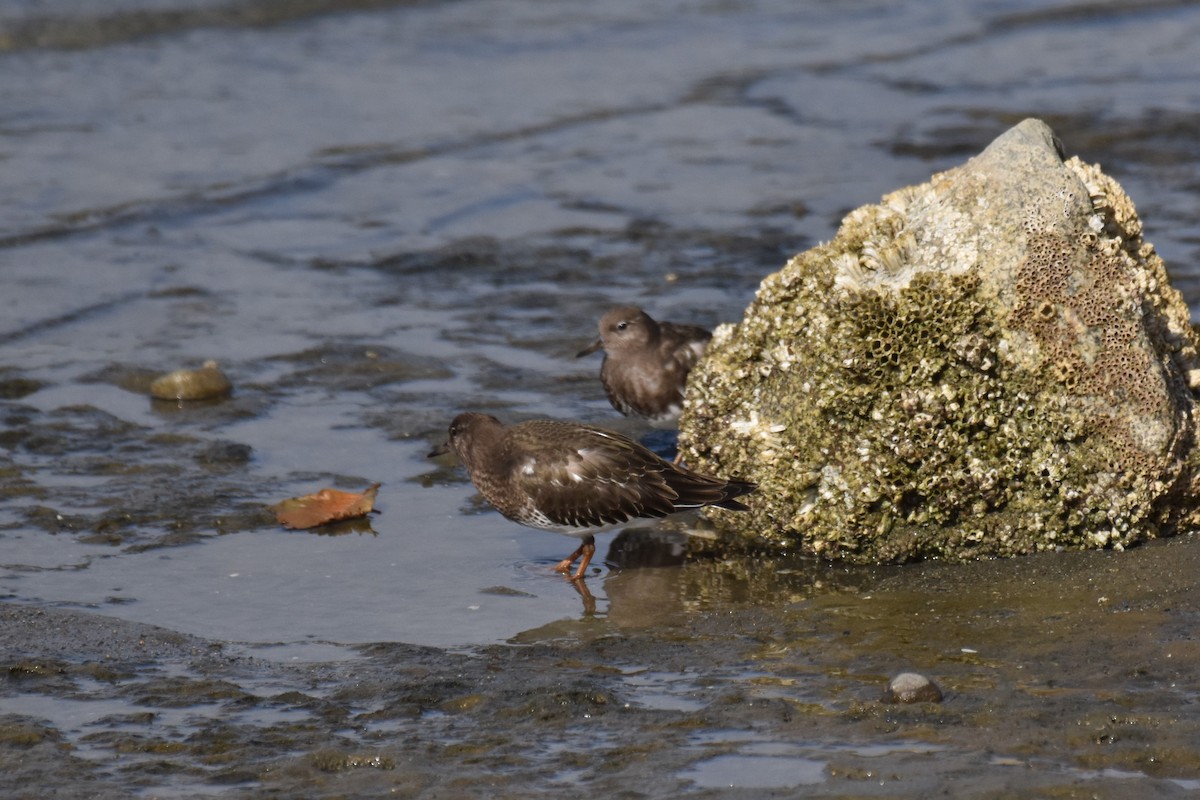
[{"x": 991, "y": 363}]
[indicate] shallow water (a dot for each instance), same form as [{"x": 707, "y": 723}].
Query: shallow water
[{"x": 376, "y": 214}]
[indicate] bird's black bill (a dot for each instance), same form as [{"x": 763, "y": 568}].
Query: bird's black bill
[
  {"x": 591, "y": 348},
  {"x": 440, "y": 450}
]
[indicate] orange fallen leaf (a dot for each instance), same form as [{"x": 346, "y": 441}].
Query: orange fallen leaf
[{"x": 327, "y": 505}]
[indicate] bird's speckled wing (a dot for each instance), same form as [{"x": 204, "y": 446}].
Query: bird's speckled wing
[
  {"x": 587, "y": 478},
  {"x": 685, "y": 342}
]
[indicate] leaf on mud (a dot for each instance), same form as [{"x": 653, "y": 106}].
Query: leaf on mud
[{"x": 327, "y": 505}]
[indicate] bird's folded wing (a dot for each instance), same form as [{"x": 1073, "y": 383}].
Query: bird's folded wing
[{"x": 594, "y": 486}]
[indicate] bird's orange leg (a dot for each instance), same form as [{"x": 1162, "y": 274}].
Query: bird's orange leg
[{"x": 587, "y": 549}]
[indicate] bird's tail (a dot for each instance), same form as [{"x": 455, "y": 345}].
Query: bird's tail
[
  {"x": 696, "y": 490},
  {"x": 736, "y": 487}
]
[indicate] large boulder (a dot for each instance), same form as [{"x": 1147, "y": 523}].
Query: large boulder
[{"x": 990, "y": 363}]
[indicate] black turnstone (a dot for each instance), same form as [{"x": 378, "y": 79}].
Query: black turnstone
[
  {"x": 577, "y": 479},
  {"x": 646, "y": 363}
]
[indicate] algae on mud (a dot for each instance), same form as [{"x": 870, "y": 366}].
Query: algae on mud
[{"x": 991, "y": 363}]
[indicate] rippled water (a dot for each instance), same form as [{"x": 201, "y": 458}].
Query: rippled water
[{"x": 377, "y": 214}]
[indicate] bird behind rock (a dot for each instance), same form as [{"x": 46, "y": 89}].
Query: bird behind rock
[{"x": 646, "y": 363}]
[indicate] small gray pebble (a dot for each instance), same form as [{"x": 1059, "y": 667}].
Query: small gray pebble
[{"x": 909, "y": 687}]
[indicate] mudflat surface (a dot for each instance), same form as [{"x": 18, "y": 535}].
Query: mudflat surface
[{"x": 377, "y": 214}]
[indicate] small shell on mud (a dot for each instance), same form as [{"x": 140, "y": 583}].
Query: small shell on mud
[
  {"x": 205, "y": 383},
  {"x": 910, "y": 687}
]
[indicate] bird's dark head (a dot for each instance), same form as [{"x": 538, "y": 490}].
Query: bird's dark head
[
  {"x": 465, "y": 430},
  {"x": 626, "y": 328}
]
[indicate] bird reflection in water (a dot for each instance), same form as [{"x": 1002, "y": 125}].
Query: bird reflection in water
[{"x": 645, "y": 562}]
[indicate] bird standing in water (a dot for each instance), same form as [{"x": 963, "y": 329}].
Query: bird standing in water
[{"x": 577, "y": 479}]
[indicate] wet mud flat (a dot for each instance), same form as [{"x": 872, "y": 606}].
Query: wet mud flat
[{"x": 1065, "y": 675}]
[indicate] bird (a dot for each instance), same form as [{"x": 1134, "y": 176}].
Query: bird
[
  {"x": 646, "y": 363},
  {"x": 577, "y": 479}
]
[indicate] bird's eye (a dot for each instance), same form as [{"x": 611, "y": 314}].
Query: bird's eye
[{"x": 622, "y": 325}]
